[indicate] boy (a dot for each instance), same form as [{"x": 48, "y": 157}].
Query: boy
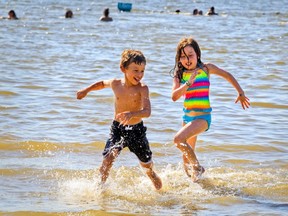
[{"x": 132, "y": 103}]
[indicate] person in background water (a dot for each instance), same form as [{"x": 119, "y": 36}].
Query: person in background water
[
  {"x": 106, "y": 16},
  {"x": 191, "y": 80},
  {"x": 132, "y": 103},
  {"x": 211, "y": 12},
  {"x": 69, "y": 14},
  {"x": 197, "y": 12},
  {"x": 12, "y": 15}
]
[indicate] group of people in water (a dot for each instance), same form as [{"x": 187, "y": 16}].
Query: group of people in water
[
  {"x": 210, "y": 12},
  {"x": 69, "y": 14},
  {"x": 105, "y": 17}
]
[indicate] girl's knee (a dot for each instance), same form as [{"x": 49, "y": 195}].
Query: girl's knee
[{"x": 177, "y": 140}]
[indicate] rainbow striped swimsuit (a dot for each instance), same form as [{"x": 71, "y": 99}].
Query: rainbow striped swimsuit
[{"x": 197, "y": 95}]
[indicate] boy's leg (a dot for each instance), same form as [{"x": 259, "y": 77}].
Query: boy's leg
[
  {"x": 107, "y": 164},
  {"x": 152, "y": 175}
]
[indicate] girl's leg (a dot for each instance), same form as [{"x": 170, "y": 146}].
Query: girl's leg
[
  {"x": 192, "y": 142},
  {"x": 181, "y": 140},
  {"x": 152, "y": 175},
  {"x": 107, "y": 164}
]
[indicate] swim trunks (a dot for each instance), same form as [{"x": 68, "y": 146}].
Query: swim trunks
[
  {"x": 187, "y": 119},
  {"x": 131, "y": 136}
]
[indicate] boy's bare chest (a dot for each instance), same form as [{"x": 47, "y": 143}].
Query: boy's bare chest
[{"x": 128, "y": 96}]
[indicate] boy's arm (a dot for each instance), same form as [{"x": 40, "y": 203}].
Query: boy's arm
[
  {"x": 95, "y": 86},
  {"x": 146, "y": 110}
]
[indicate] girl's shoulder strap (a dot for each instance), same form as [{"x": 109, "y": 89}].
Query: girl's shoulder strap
[{"x": 205, "y": 68}]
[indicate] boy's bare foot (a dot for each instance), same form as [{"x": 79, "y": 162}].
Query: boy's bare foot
[
  {"x": 155, "y": 179},
  {"x": 197, "y": 172}
]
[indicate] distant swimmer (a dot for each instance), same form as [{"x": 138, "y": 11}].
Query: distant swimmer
[
  {"x": 197, "y": 12},
  {"x": 12, "y": 15},
  {"x": 211, "y": 12},
  {"x": 69, "y": 14},
  {"x": 106, "y": 16}
]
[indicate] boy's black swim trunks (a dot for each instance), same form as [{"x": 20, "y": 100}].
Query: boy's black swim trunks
[{"x": 133, "y": 137}]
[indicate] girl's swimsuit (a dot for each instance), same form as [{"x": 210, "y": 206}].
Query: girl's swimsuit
[{"x": 197, "y": 96}]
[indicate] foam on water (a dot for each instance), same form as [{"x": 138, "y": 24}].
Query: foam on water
[{"x": 128, "y": 189}]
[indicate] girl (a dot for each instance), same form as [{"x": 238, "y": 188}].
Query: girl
[{"x": 191, "y": 79}]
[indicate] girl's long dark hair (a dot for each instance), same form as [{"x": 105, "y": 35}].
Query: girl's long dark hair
[{"x": 178, "y": 67}]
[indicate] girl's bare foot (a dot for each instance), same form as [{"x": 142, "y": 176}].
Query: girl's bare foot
[{"x": 197, "y": 172}]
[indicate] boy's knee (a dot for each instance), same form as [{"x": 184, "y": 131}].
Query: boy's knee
[
  {"x": 148, "y": 165},
  {"x": 112, "y": 155}
]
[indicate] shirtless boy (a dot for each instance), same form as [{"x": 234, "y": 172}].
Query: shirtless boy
[{"x": 132, "y": 103}]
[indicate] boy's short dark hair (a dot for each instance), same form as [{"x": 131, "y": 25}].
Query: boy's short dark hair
[{"x": 129, "y": 56}]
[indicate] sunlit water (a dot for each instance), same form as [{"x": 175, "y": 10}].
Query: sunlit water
[{"x": 51, "y": 143}]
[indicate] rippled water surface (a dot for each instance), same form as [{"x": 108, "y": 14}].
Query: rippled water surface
[{"x": 51, "y": 144}]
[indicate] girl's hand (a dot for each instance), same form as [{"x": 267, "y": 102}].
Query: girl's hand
[
  {"x": 124, "y": 117},
  {"x": 243, "y": 100},
  {"x": 194, "y": 73},
  {"x": 81, "y": 94}
]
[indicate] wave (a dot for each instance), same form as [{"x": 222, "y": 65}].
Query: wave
[
  {"x": 269, "y": 105},
  {"x": 44, "y": 146}
]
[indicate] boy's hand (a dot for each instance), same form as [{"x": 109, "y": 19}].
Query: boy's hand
[
  {"x": 81, "y": 94},
  {"x": 124, "y": 117}
]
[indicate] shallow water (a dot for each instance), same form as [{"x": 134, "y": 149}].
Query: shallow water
[{"x": 51, "y": 143}]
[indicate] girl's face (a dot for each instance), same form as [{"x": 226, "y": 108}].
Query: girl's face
[
  {"x": 188, "y": 58},
  {"x": 134, "y": 73}
]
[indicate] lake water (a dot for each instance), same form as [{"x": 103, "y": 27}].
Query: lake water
[{"x": 51, "y": 143}]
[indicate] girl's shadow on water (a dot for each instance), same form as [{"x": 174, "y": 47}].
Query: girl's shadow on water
[{"x": 217, "y": 188}]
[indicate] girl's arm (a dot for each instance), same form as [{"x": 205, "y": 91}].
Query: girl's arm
[
  {"x": 96, "y": 86},
  {"x": 177, "y": 89},
  {"x": 213, "y": 69}
]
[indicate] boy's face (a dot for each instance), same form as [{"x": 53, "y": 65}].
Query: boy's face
[
  {"x": 188, "y": 58},
  {"x": 134, "y": 73}
]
